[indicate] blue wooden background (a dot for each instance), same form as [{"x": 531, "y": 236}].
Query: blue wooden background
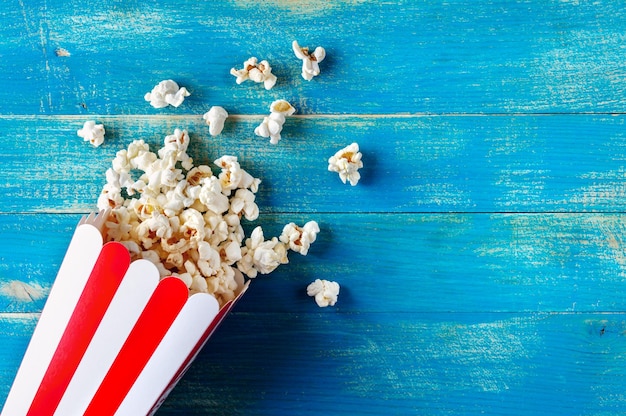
[{"x": 481, "y": 257}]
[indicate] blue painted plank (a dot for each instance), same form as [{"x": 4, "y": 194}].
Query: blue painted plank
[
  {"x": 412, "y": 364},
  {"x": 15, "y": 332},
  {"x": 395, "y": 263},
  {"x": 480, "y": 258},
  {"x": 557, "y": 163},
  {"x": 387, "y": 363},
  {"x": 383, "y": 57}
]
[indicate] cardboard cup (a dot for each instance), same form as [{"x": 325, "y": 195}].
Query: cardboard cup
[{"x": 113, "y": 338}]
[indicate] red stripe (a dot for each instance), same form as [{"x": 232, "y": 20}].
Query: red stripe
[
  {"x": 153, "y": 323},
  {"x": 99, "y": 290}
]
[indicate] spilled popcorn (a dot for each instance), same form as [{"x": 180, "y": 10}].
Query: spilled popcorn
[
  {"x": 166, "y": 93},
  {"x": 215, "y": 118},
  {"x": 187, "y": 221},
  {"x": 255, "y": 71},
  {"x": 324, "y": 291},
  {"x": 272, "y": 125},
  {"x": 347, "y": 163},
  {"x": 92, "y": 133},
  {"x": 310, "y": 62}
]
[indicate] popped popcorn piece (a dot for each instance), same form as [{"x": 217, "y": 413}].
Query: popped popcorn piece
[
  {"x": 227, "y": 281},
  {"x": 272, "y": 125},
  {"x": 324, "y": 291},
  {"x": 230, "y": 252},
  {"x": 175, "y": 149},
  {"x": 233, "y": 176},
  {"x": 92, "y": 133},
  {"x": 310, "y": 62},
  {"x": 243, "y": 203},
  {"x": 208, "y": 259},
  {"x": 255, "y": 71},
  {"x": 187, "y": 221},
  {"x": 153, "y": 229},
  {"x": 260, "y": 255},
  {"x": 215, "y": 118},
  {"x": 299, "y": 239},
  {"x": 211, "y": 196},
  {"x": 111, "y": 196},
  {"x": 166, "y": 93},
  {"x": 347, "y": 163}
]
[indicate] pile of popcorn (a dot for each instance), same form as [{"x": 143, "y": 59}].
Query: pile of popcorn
[{"x": 187, "y": 220}]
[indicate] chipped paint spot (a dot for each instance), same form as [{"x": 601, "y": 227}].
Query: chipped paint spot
[
  {"x": 491, "y": 352},
  {"x": 23, "y": 291},
  {"x": 62, "y": 52},
  {"x": 570, "y": 70},
  {"x": 488, "y": 356},
  {"x": 309, "y": 6},
  {"x": 438, "y": 194},
  {"x": 605, "y": 189}
]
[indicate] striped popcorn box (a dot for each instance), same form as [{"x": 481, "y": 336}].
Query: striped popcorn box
[{"x": 113, "y": 338}]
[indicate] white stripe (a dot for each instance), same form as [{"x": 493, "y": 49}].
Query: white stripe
[
  {"x": 135, "y": 290},
  {"x": 74, "y": 272},
  {"x": 185, "y": 332}
]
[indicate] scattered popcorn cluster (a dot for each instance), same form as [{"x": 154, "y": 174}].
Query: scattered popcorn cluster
[
  {"x": 92, "y": 133},
  {"x": 187, "y": 221}
]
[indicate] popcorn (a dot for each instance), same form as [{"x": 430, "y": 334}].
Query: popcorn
[
  {"x": 230, "y": 252},
  {"x": 110, "y": 196},
  {"x": 232, "y": 176},
  {"x": 273, "y": 124},
  {"x": 243, "y": 202},
  {"x": 310, "y": 62},
  {"x": 215, "y": 118},
  {"x": 166, "y": 93},
  {"x": 324, "y": 291},
  {"x": 187, "y": 221},
  {"x": 208, "y": 259},
  {"x": 347, "y": 163},
  {"x": 175, "y": 149},
  {"x": 260, "y": 255},
  {"x": 255, "y": 71},
  {"x": 92, "y": 133},
  {"x": 299, "y": 239},
  {"x": 153, "y": 229},
  {"x": 211, "y": 196}
]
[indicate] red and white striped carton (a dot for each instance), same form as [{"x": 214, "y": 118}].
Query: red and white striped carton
[{"x": 113, "y": 338}]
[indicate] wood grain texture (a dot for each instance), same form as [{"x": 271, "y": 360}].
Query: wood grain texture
[
  {"x": 556, "y": 163},
  {"x": 453, "y": 263},
  {"x": 383, "y": 57},
  {"x": 388, "y": 363},
  {"x": 481, "y": 257}
]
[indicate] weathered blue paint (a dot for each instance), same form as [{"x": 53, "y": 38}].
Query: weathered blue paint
[
  {"x": 556, "y": 163},
  {"x": 481, "y": 256},
  {"x": 383, "y": 57}
]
